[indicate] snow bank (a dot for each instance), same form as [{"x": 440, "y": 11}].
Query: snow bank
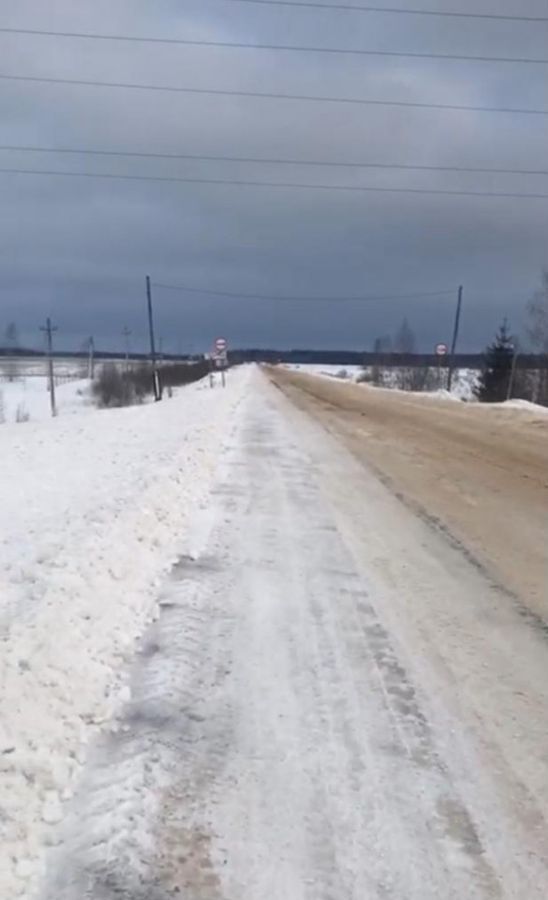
[
  {"x": 95, "y": 509},
  {"x": 462, "y": 387},
  {"x": 464, "y": 382},
  {"x": 344, "y": 373},
  {"x": 524, "y": 405},
  {"x": 28, "y": 397}
]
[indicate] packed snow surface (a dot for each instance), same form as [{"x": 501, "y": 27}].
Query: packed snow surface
[{"x": 95, "y": 509}]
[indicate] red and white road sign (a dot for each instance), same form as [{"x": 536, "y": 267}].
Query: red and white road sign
[
  {"x": 442, "y": 349},
  {"x": 221, "y": 345}
]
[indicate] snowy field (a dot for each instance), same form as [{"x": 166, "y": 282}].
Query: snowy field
[
  {"x": 95, "y": 509},
  {"x": 27, "y": 399}
]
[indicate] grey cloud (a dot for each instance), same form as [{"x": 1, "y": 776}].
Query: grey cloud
[{"x": 79, "y": 250}]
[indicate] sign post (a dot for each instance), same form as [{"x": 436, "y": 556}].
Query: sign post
[
  {"x": 220, "y": 358},
  {"x": 441, "y": 351}
]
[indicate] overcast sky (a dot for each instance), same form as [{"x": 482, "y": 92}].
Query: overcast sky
[{"x": 79, "y": 249}]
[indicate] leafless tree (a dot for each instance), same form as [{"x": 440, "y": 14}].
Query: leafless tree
[
  {"x": 407, "y": 378},
  {"x": 382, "y": 346},
  {"x": 537, "y": 311},
  {"x": 405, "y": 340},
  {"x": 11, "y": 342}
]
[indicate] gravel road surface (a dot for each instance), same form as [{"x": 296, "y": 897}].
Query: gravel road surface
[{"x": 480, "y": 473}]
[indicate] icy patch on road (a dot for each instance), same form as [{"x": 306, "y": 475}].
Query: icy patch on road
[{"x": 95, "y": 510}]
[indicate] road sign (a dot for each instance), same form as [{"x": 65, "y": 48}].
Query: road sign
[
  {"x": 221, "y": 345},
  {"x": 441, "y": 349}
]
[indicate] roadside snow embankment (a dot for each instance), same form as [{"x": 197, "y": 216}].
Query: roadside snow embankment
[
  {"x": 342, "y": 373},
  {"x": 464, "y": 380},
  {"x": 95, "y": 509}
]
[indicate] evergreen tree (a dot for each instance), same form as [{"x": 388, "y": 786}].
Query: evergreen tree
[
  {"x": 494, "y": 380},
  {"x": 537, "y": 310}
]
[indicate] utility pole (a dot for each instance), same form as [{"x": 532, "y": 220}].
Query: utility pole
[
  {"x": 455, "y": 338},
  {"x": 49, "y": 329},
  {"x": 155, "y": 375},
  {"x": 512, "y": 379},
  {"x": 127, "y": 334}
]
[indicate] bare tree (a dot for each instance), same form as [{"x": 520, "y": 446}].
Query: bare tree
[
  {"x": 408, "y": 378},
  {"x": 11, "y": 340},
  {"x": 382, "y": 346},
  {"x": 83, "y": 363},
  {"x": 537, "y": 311},
  {"x": 405, "y": 340}
]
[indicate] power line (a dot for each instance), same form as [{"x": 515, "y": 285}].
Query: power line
[
  {"x": 195, "y": 157},
  {"x": 244, "y": 296},
  {"x": 232, "y": 182},
  {"x": 291, "y": 48},
  {"x": 309, "y": 4},
  {"x": 264, "y": 95}
]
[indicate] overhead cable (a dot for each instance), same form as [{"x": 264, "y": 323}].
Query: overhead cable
[
  {"x": 263, "y": 160},
  {"x": 233, "y": 182},
  {"x": 290, "y": 48},
  {"x": 391, "y": 10},
  {"x": 238, "y": 295},
  {"x": 267, "y": 95}
]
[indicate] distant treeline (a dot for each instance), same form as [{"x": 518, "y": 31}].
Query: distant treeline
[
  {"x": 315, "y": 357},
  {"x": 364, "y": 358},
  {"x": 98, "y": 354}
]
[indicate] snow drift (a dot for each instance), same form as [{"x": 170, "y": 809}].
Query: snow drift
[{"x": 95, "y": 509}]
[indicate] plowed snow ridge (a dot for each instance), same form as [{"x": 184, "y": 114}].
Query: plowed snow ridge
[{"x": 94, "y": 511}]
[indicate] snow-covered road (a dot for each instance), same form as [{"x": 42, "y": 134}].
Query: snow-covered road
[{"x": 315, "y": 715}]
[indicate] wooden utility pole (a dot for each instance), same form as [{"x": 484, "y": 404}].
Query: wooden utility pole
[
  {"x": 455, "y": 338},
  {"x": 155, "y": 374},
  {"x": 512, "y": 378},
  {"x": 49, "y": 329}
]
